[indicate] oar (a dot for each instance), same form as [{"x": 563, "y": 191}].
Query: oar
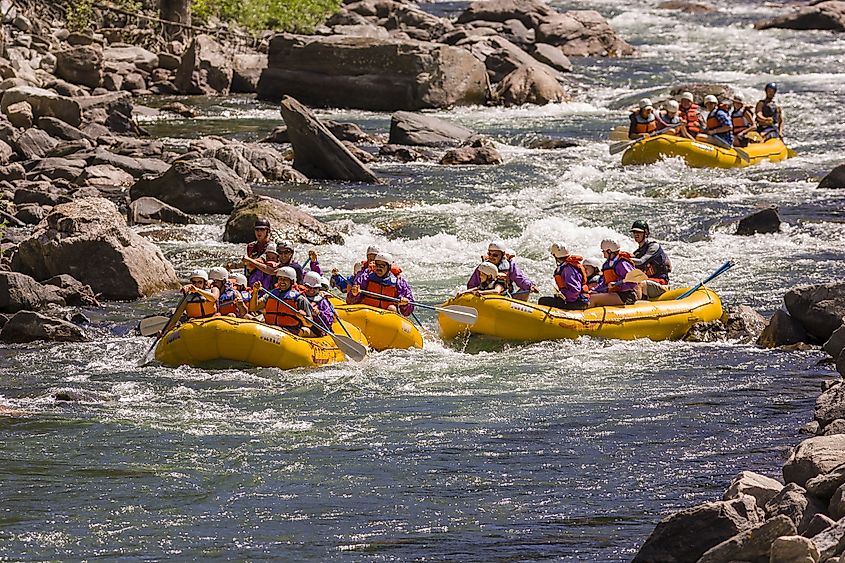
[
  {"x": 619, "y": 147},
  {"x": 714, "y": 140},
  {"x": 619, "y": 133},
  {"x": 350, "y": 348},
  {"x": 150, "y": 326},
  {"x": 458, "y": 313},
  {"x": 719, "y": 271},
  {"x": 146, "y": 358}
]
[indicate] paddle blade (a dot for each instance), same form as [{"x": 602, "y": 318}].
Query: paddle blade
[
  {"x": 353, "y": 350},
  {"x": 150, "y": 326},
  {"x": 635, "y": 276},
  {"x": 742, "y": 155},
  {"x": 616, "y": 148},
  {"x": 619, "y": 133},
  {"x": 460, "y": 314},
  {"x": 790, "y": 153}
]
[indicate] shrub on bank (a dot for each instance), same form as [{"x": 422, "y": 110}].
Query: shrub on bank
[{"x": 280, "y": 15}]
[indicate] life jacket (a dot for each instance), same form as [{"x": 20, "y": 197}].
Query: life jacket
[
  {"x": 226, "y": 302},
  {"x": 657, "y": 267},
  {"x": 387, "y": 287},
  {"x": 690, "y": 117},
  {"x": 198, "y": 307},
  {"x": 394, "y": 269},
  {"x": 574, "y": 262},
  {"x": 644, "y": 124},
  {"x": 256, "y": 249},
  {"x": 770, "y": 109},
  {"x": 277, "y": 314},
  {"x": 667, "y": 121},
  {"x": 739, "y": 119},
  {"x": 608, "y": 270},
  {"x": 713, "y": 121}
]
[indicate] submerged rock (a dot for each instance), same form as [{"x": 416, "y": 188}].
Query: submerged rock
[
  {"x": 288, "y": 223},
  {"x": 829, "y": 15},
  {"x": 29, "y": 326},
  {"x": 420, "y": 129},
  {"x": 835, "y": 179},
  {"x": 765, "y": 221}
]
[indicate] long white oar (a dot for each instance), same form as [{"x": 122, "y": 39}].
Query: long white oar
[
  {"x": 350, "y": 348},
  {"x": 147, "y": 358},
  {"x": 458, "y": 313}
]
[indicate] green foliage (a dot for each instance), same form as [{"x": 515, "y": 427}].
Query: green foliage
[
  {"x": 79, "y": 14},
  {"x": 280, "y": 15}
]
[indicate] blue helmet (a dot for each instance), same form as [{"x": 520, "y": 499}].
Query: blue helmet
[{"x": 772, "y": 85}]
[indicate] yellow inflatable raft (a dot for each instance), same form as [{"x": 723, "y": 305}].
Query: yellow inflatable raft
[
  {"x": 383, "y": 329},
  {"x": 702, "y": 155},
  {"x": 202, "y": 341},
  {"x": 661, "y": 319}
]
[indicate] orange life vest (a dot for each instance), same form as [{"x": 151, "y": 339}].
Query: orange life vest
[
  {"x": 394, "y": 269},
  {"x": 197, "y": 307},
  {"x": 739, "y": 119},
  {"x": 277, "y": 314},
  {"x": 690, "y": 117},
  {"x": 609, "y": 273},
  {"x": 387, "y": 287},
  {"x": 643, "y": 124},
  {"x": 712, "y": 121},
  {"x": 227, "y": 303},
  {"x": 575, "y": 262}
]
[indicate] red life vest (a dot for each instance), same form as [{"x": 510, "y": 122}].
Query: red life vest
[
  {"x": 382, "y": 286},
  {"x": 609, "y": 273},
  {"x": 575, "y": 262},
  {"x": 197, "y": 307},
  {"x": 394, "y": 269},
  {"x": 712, "y": 121},
  {"x": 739, "y": 119},
  {"x": 644, "y": 124},
  {"x": 277, "y": 314},
  {"x": 690, "y": 117}
]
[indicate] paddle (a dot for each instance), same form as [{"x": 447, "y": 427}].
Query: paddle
[
  {"x": 619, "y": 133},
  {"x": 619, "y": 147},
  {"x": 458, "y": 313},
  {"x": 150, "y": 326},
  {"x": 180, "y": 308},
  {"x": 719, "y": 271},
  {"x": 350, "y": 348},
  {"x": 714, "y": 140},
  {"x": 635, "y": 276}
]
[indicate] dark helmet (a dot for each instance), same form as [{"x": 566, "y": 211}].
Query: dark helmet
[
  {"x": 772, "y": 85},
  {"x": 640, "y": 225},
  {"x": 262, "y": 224}
]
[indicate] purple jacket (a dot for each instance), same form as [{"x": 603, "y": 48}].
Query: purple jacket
[
  {"x": 573, "y": 282},
  {"x": 621, "y": 267},
  {"x": 515, "y": 276},
  {"x": 402, "y": 289},
  {"x": 313, "y": 265},
  {"x": 267, "y": 280},
  {"x": 323, "y": 310}
]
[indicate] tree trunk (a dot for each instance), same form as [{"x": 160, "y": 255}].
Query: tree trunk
[{"x": 176, "y": 11}]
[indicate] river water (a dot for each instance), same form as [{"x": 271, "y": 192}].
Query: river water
[{"x": 471, "y": 451}]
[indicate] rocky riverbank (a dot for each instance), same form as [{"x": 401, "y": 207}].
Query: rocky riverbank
[{"x": 761, "y": 519}]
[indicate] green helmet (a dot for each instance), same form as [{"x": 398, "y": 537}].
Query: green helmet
[{"x": 640, "y": 225}]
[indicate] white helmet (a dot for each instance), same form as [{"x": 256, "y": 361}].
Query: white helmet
[
  {"x": 372, "y": 249},
  {"x": 645, "y": 103},
  {"x": 610, "y": 245},
  {"x": 199, "y": 273},
  {"x": 488, "y": 268},
  {"x": 357, "y": 267},
  {"x": 558, "y": 250},
  {"x": 325, "y": 283},
  {"x": 738, "y": 97},
  {"x": 312, "y": 280},
  {"x": 672, "y": 106},
  {"x": 510, "y": 252},
  {"x": 239, "y": 278},
  {"x": 688, "y": 96},
  {"x": 286, "y": 272},
  {"x": 497, "y": 245},
  {"x": 710, "y": 99},
  {"x": 594, "y": 262},
  {"x": 218, "y": 273},
  {"x": 384, "y": 257}
]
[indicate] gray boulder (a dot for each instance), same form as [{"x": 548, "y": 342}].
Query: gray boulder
[
  {"x": 793, "y": 549},
  {"x": 318, "y": 153},
  {"x": 744, "y": 324},
  {"x": 825, "y": 485},
  {"x": 582, "y": 33},
  {"x": 73, "y": 291},
  {"x": 81, "y": 65},
  {"x": 794, "y": 503},
  {"x": 836, "y": 507},
  {"x": 813, "y": 457},
  {"x": 60, "y": 130},
  {"x": 834, "y": 179},
  {"x": 149, "y": 210},
  {"x": 831, "y": 541},
  {"x": 835, "y": 427},
  {"x": 530, "y": 85},
  {"x": 482, "y": 155},
  {"x": 246, "y": 72},
  {"x": 55, "y": 168},
  {"x": 288, "y": 222},
  {"x": 750, "y": 545},
  {"x": 828, "y": 15},
  {"x": 34, "y": 143},
  {"x": 104, "y": 176},
  {"x": 374, "y": 74},
  {"x": 819, "y": 308},
  {"x": 685, "y": 536},
  {"x": 88, "y": 239},
  {"x": 552, "y": 56},
  {"x": 138, "y": 56},
  {"x": 201, "y": 185},
  {"x": 29, "y": 326},
  {"x": 136, "y": 166},
  {"x": 830, "y": 405},
  {"x": 836, "y": 343},
  {"x": 782, "y": 330},
  {"x": 20, "y": 115},
  {"x": 19, "y": 292},
  {"x": 234, "y": 159},
  {"x": 420, "y": 129},
  {"x": 765, "y": 221},
  {"x": 818, "y": 524},
  {"x": 205, "y": 68},
  {"x": 762, "y": 488}
]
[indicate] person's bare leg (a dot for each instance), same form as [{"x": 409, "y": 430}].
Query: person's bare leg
[{"x": 605, "y": 300}]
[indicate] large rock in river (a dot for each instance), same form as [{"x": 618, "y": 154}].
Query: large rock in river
[
  {"x": 199, "y": 185},
  {"x": 19, "y": 292},
  {"x": 407, "y": 128},
  {"x": 205, "y": 68},
  {"x": 819, "y": 308},
  {"x": 828, "y": 15},
  {"x": 529, "y": 85},
  {"x": 834, "y": 179},
  {"x": 88, "y": 239},
  {"x": 287, "y": 221},
  {"x": 316, "y": 152},
  {"x": 373, "y": 74},
  {"x": 28, "y": 326}
]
